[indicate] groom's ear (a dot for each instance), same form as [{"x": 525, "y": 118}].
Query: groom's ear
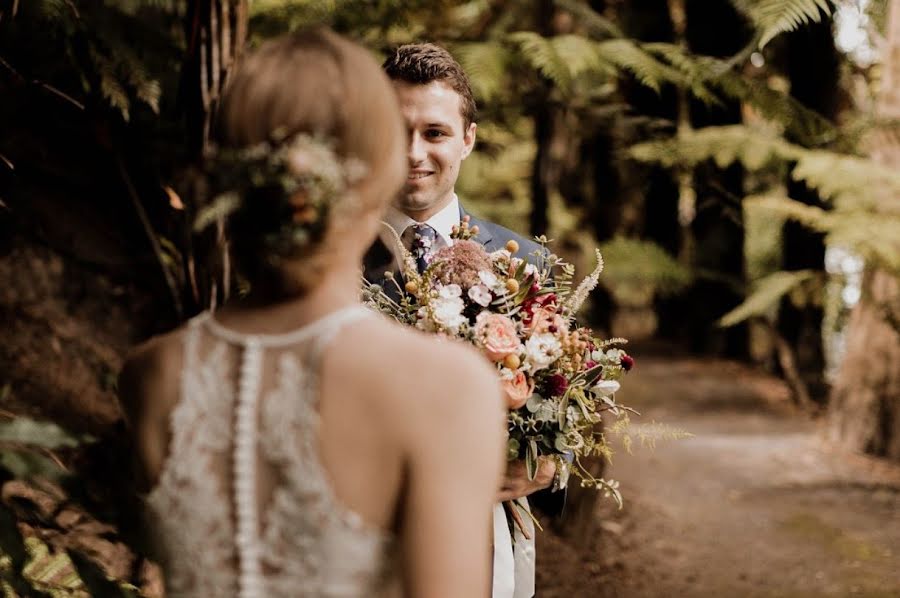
[{"x": 469, "y": 140}]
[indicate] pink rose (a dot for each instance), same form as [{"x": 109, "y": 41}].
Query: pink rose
[
  {"x": 496, "y": 335},
  {"x": 518, "y": 389}
]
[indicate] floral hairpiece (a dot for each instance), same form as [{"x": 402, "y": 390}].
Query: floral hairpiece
[{"x": 285, "y": 189}]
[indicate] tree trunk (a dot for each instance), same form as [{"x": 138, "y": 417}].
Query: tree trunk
[
  {"x": 216, "y": 32},
  {"x": 812, "y": 66},
  {"x": 716, "y": 29},
  {"x": 864, "y": 412}
]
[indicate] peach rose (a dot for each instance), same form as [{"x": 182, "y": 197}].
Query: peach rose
[
  {"x": 517, "y": 389},
  {"x": 545, "y": 319},
  {"x": 496, "y": 335}
]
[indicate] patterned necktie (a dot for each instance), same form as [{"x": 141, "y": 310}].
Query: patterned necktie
[{"x": 421, "y": 244}]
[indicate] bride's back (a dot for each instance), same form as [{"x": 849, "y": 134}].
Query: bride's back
[{"x": 297, "y": 444}]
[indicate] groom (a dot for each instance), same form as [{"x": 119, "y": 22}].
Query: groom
[{"x": 439, "y": 109}]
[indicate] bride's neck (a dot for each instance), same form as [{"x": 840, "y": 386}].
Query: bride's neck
[{"x": 258, "y": 313}]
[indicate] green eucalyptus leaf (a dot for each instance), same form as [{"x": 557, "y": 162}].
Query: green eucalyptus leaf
[{"x": 531, "y": 459}]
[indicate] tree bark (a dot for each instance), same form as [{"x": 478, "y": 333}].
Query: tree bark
[
  {"x": 865, "y": 401},
  {"x": 864, "y": 412},
  {"x": 216, "y": 32},
  {"x": 812, "y": 65}
]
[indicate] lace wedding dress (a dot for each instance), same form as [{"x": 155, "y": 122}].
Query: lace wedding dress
[{"x": 243, "y": 506}]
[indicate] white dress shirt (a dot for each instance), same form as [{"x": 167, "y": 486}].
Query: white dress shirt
[{"x": 442, "y": 222}]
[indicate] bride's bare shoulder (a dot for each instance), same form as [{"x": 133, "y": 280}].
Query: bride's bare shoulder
[
  {"x": 149, "y": 377},
  {"x": 414, "y": 364}
]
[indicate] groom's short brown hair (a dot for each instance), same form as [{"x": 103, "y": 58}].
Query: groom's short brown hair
[{"x": 424, "y": 63}]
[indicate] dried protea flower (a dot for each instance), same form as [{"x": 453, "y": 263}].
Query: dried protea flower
[{"x": 460, "y": 264}]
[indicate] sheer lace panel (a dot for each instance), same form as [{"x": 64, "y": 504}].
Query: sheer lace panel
[{"x": 248, "y": 412}]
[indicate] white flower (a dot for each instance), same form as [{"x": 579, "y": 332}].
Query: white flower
[
  {"x": 530, "y": 269},
  {"x": 488, "y": 279},
  {"x": 450, "y": 291},
  {"x": 447, "y": 311},
  {"x": 500, "y": 255},
  {"x": 605, "y": 388},
  {"x": 540, "y": 351},
  {"x": 480, "y": 295}
]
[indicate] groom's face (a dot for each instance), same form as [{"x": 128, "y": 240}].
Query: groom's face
[{"x": 438, "y": 143}]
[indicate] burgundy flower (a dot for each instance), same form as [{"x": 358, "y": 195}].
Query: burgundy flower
[
  {"x": 590, "y": 363},
  {"x": 627, "y": 362},
  {"x": 531, "y": 305},
  {"x": 557, "y": 384}
]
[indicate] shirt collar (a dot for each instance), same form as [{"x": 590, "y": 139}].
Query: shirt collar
[{"x": 442, "y": 222}]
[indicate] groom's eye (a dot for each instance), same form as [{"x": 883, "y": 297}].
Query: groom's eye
[{"x": 434, "y": 134}]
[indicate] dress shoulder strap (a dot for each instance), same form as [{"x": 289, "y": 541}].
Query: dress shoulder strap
[{"x": 324, "y": 326}]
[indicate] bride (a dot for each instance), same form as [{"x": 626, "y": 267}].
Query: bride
[{"x": 293, "y": 443}]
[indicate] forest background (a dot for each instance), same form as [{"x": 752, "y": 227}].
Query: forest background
[{"x": 735, "y": 161}]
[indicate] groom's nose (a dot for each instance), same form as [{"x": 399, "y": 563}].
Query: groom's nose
[{"x": 416, "y": 151}]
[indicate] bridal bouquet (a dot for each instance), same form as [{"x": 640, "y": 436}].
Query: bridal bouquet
[{"x": 559, "y": 378}]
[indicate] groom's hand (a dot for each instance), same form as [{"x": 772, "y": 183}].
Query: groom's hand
[{"x": 516, "y": 483}]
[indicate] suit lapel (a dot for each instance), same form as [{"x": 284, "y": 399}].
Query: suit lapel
[
  {"x": 484, "y": 235},
  {"x": 378, "y": 261}
]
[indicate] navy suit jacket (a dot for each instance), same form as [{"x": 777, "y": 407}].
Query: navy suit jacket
[{"x": 379, "y": 260}]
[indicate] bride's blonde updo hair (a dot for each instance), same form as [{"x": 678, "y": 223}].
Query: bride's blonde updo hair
[{"x": 310, "y": 136}]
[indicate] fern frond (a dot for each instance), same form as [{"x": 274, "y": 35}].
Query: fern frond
[
  {"x": 578, "y": 53},
  {"x": 774, "y": 17},
  {"x": 486, "y": 64},
  {"x": 539, "y": 52},
  {"x": 595, "y": 22},
  {"x": 812, "y": 217},
  {"x": 870, "y": 231},
  {"x": 842, "y": 177},
  {"x": 709, "y": 78},
  {"x": 112, "y": 90},
  {"x": 697, "y": 70},
  {"x": 767, "y": 293},
  {"x": 627, "y": 56},
  {"x": 804, "y": 124},
  {"x": 724, "y": 145}
]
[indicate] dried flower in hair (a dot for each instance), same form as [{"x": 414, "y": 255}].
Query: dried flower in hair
[{"x": 279, "y": 195}]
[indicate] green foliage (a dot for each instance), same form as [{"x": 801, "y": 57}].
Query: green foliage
[
  {"x": 486, "y": 64},
  {"x": 636, "y": 270},
  {"x": 774, "y": 17},
  {"x": 767, "y": 293},
  {"x": 110, "y": 47},
  {"x": 28, "y": 565},
  {"x": 864, "y": 196}
]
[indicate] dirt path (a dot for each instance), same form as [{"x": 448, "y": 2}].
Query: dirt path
[{"x": 753, "y": 505}]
